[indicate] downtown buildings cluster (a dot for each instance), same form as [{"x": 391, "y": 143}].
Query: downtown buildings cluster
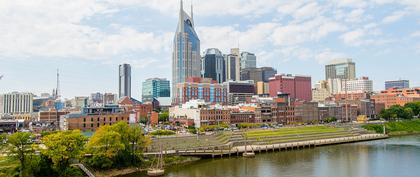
[{"x": 212, "y": 88}]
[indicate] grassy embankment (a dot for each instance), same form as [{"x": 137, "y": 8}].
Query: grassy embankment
[
  {"x": 396, "y": 128},
  {"x": 295, "y": 134}
]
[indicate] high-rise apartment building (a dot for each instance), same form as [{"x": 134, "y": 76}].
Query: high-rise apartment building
[
  {"x": 213, "y": 65},
  {"x": 248, "y": 60},
  {"x": 398, "y": 84},
  {"x": 155, "y": 88},
  {"x": 299, "y": 87},
  {"x": 124, "y": 80},
  {"x": 186, "y": 60},
  {"x": 340, "y": 68},
  {"x": 362, "y": 84},
  {"x": 16, "y": 103},
  {"x": 233, "y": 65}
]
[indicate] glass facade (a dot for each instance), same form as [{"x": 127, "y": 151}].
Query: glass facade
[
  {"x": 186, "y": 59},
  {"x": 155, "y": 88},
  {"x": 341, "y": 69},
  {"x": 399, "y": 84},
  {"x": 248, "y": 60},
  {"x": 213, "y": 65}
]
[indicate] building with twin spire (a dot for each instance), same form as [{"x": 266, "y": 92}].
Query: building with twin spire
[{"x": 186, "y": 59}]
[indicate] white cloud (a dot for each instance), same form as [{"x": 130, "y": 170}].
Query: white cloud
[
  {"x": 226, "y": 37},
  {"x": 327, "y": 55},
  {"x": 415, "y": 34},
  {"x": 54, "y": 30},
  {"x": 311, "y": 30},
  {"x": 395, "y": 16},
  {"x": 353, "y": 37}
]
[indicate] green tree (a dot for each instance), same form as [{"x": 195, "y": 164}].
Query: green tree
[
  {"x": 136, "y": 143},
  {"x": 20, "y": 146},
  {"x": 330, "y": 119},
  {"x": 407, "y": 113},
  {"x": 3, "y": 138},
  {"x": 415, "y": 106},
  {"x": 62, "y": 147},
  {"x": 164, "y": 116},
  {"x": 104, "y": 146}
]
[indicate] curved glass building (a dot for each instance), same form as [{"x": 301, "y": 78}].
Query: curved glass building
[{"x": 186, "y": 59}]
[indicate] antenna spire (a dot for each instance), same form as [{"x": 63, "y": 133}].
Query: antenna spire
[
  {"x": 57, "y": 90},
  {"x": 192, "y": 16}
]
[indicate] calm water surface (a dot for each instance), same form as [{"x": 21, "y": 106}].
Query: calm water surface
[{"x": 394, "y": 157}]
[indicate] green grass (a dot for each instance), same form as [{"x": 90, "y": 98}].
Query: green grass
[
  {"x": 396, "y": 128},
  {"x": 291, "y": 131}
]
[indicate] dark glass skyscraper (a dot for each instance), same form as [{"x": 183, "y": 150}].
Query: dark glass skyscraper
[
  {"x": 214, "y": 65},
  {"x": 124, "y": 79},
  {"x": 186, "y": 59}
]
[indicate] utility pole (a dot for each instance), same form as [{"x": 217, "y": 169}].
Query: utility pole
[{"x": 346, "y": 102}]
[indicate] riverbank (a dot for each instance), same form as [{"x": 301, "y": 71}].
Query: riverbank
[
  {"x": 408, "y": 127},
  {"x": 169, "y": 161},
  {"x": 370, "y": 158}
]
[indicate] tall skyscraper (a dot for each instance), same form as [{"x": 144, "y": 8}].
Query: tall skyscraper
[
  {"x": 186, "y": 59},
  {"x": 124, "y": 80},
  {"x": 233, "y": 65},
  {"x": 398, "y": 84},
  {"x": 248, "y": 60},
  {"x": 214, "y": 65},
  {"x": 155, "y": 88},
  {"x": 16, "y": 103},
  {"x": 340, "y": 68}
]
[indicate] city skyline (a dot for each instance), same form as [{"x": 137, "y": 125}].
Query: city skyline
[{"x": 90, "y": 39}]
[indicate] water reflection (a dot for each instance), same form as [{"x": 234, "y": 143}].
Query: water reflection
[{"x": 394, "y": 157}]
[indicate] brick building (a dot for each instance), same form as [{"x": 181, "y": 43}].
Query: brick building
[
  {"x": 298, "y": 87},
  {"x": 395, "y": 96},
  {"x": 89, "y": 119},
  {"x": 51, "y": 116}
]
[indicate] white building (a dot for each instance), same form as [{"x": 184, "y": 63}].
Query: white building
[
  {"x": 335, "y": 86},
  {"x": 16, "y": 103},
  {"x": 362, "y": 84}
]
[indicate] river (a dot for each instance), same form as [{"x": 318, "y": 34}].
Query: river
[{"x": 393, "y": 157}]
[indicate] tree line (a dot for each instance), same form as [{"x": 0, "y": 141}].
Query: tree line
[
  {"x": 118, "y": 145},
  {"x": 397, "y": 112}
]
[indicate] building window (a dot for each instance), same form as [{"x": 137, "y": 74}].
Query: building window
[
  {"x": 84, "y": 119},
  {"x": 84, "y": 125},
  {"x": 91, "y": 125},
  {"x": 91, "y": 119},
  {"x": 97, "y": 124}
]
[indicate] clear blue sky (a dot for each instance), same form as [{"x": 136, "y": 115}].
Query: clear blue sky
[{"x": 87, "y": 39}]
